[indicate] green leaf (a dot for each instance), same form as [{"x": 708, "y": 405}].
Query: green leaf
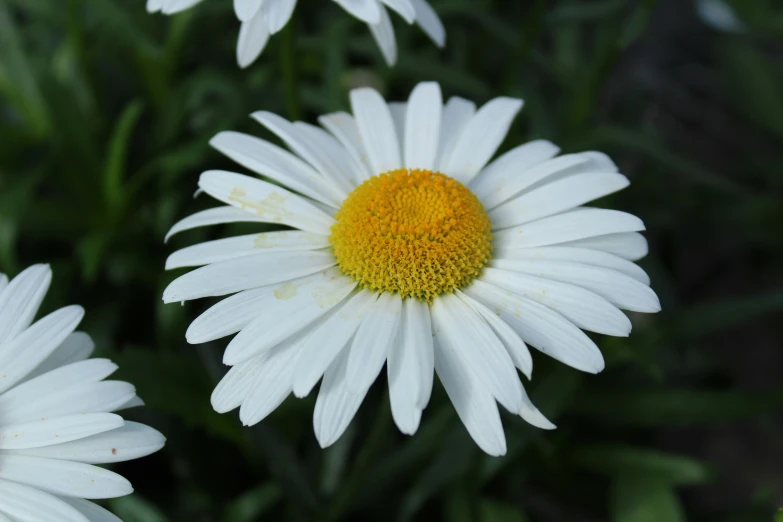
[
  {"x": 451, "y": 463},
  {"x": 253, "y": 504},
  {"x": 644, "y": 499},
  {"x": 676, "y": 407},
  {"x": 620, "y": 460},
  {"x": 117, "y": 153},
  {"x": 493, "y": 511},
  {"x": 17, "y": 80},
  {"x": 178, "y": 385},
  {"x": 651, "y": 146},
  {"x": 134, "y": 508},
  {"x": 779, "y": 516},
  {"x": 758, "y": 93},
  {"x": 714, "y": 317}
]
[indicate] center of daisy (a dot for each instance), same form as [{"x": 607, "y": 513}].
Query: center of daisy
[{"x": 414, "y": 232}]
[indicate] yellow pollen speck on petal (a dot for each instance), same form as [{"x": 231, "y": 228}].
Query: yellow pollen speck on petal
[{"x": 414, "y": 232}]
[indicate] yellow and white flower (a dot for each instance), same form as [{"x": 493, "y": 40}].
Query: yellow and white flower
[
  {"x": 55, "y": 412},
  {"x": 409, "y": 248},
  {"x": 262, "y": 18}
]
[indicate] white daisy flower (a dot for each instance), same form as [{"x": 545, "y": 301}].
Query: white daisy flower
[
  {"x": 409, "y": 248},
  {"x": 262, "y": 18},
  {"x": 55, "y": 419}
]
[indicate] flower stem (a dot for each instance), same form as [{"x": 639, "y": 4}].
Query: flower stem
[{"x": 290, "y": 73}]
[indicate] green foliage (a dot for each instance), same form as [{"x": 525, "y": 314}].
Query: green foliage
[{"x": 105, "y": 116}]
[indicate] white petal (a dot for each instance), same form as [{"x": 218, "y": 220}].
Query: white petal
[
  {"x": 329, "y": 339},
  {"x": 274, "y": 204},
  {"x": 236, "y": 384},
  {"x": 243, "y": 273},
  {"x": 272, "y": 384},
  {"x": 514, "y": 344},
  {"x": 214, "y": 216},
  {"x": 127, "y": 442},
  {"x": 60, "y": 477},
  {"x": 473, "y": 402},
  {"x": 276, "y": 163},
  {"x": 481, "y": 137},
  {"x": 461, "y": 330},
  {"x": 277, "y": 13},
  {"x": 368, "y": 11},
  {"x": 19, "y": 356},
  {"x": 404, "y": 373},
  {"x": 233, "y": 247},
  {"x": 3, "y": 282},
  {"x": 531, "y": 414},
  {"x": 618, "y": 288},
  {"x": 430, "y": 23},
  {"x": 26, "y": 504},
  {"x": 422, "y": 127},
  {"x": 53, "y": 382},
  {"x": 93, "y": 512},
  {"x": 377, "y": 129},
  {"x": 134, "y": 402},
  {"x": 529, "y": 165},
  {"x": 416, "y": 331},
  {"x": 556, "y": 197},
  {"x": 176, "y": 6},
  {"x": 628, "y": 245},
  {"x": 584, "y": 256},
  {"x": 343, "y": 126},
  {"x": 246, "y": 9},
  {"x": 540, "y": 327},
  {"x": 77, "y": 347},
  {"x": 153, "y": 6},
  {"x": 585, "y": 309},
  {"x": 20, "y": 300},
  {"x": 501, "y": 179},
  {"x": 230, "y": 315},
  {"x": 56, "y": 430},
  {"x": 336, "y": 404},
  {"x": 456, "y": 115},
  {"x": 331, "y": 152},
  {"x": 383, "y": 33},
  {"x": 253, "y": 35},
  {"x": 407, "y": 365},
  {"x": 80, "y": 398},
  {"x": 290, "y": 309},
  {"x": 373, "y": 339},
  {"x": 569, "y": 226},
  {"x": 403, "y": 7},
  {"x": 300, "y": 140}
]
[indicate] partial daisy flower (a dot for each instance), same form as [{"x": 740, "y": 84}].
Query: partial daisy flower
[
  {"x": 55, "y": 419},
  {"x": 262, "y": 18},
  {"x": 409, "y": 248}
]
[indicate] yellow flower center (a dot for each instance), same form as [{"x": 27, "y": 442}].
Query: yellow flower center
[{"x": 415, "y": 232}]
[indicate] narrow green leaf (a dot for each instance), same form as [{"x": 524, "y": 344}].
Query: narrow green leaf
[
  {"x": 493, "y": 511},
  {"x": 714, "y": 317},
  {"x": 644, "y": 499},
  {"x": 651, "y": 146},
  {"x": 134, "y": 508},
  {"x": 676, "y": 407},
  {"x": 117, "y": 153},
  {"x": 251, "y": 505},
  {"x": 619, "y": 460},
  {"x": 178, "y": 385},
  {"x": 779, "y": 516},
  {"x": 17, "y": 80}
]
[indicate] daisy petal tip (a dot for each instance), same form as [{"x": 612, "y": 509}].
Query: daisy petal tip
[{"x": 301, "y": 389}]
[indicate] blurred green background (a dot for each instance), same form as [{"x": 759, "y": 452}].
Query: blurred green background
[{"x": 105, "y": 114}]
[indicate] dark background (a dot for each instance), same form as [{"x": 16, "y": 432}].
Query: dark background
[{"x": 105, "y": 114}]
